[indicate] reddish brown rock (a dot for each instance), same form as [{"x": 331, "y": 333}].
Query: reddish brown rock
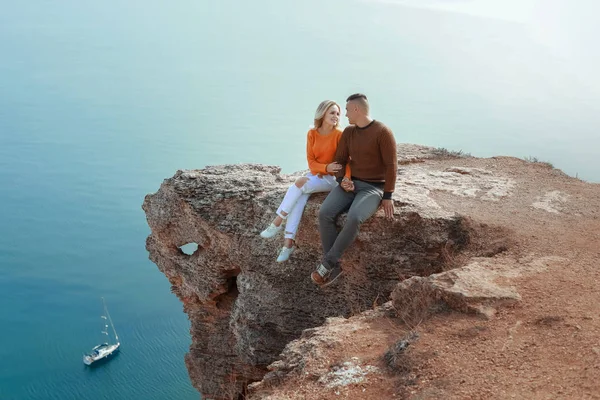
[
  {"x": 244, "y": 307},
  {"x": 541, "y": 283}
]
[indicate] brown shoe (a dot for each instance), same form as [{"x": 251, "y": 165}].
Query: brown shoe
[
  {"x": 317, "y": 278},
  {"x": 324, "y": 276}
]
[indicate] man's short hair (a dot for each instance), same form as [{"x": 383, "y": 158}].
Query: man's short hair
[
  {"x": 361, "y": 99},
  {"x": 356, "y": 96}
]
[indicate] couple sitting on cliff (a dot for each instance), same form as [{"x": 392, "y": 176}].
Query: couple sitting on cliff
[{"x": 357, "y": 166}]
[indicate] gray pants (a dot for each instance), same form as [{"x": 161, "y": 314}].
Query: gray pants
[{"x": 361, "y": 204}]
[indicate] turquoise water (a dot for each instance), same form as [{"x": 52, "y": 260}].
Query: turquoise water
[{"x": 100, "y": 102}]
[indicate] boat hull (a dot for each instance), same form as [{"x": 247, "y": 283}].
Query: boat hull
[{"x": 101, "y": 352}]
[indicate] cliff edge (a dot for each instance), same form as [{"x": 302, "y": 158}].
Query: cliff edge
[{"x": 484, "y": 285}]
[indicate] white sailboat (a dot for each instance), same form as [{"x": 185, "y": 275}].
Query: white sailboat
[{"x": 107, "y": 349}]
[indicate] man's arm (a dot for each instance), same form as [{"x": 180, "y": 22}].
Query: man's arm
[{"x": 387, "y": 147}]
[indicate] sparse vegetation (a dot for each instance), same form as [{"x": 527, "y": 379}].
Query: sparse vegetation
[
  {"x": 417, "y": 304},
  {"x": 538, "y": 161},
  {"x": 442, "y": 152},
  {"x": 578, "y": 178},
  {"x": 450, "y": 259},
  {"x": 397, "y": 358}
]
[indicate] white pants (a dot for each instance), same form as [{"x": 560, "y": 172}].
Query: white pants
[{"x": 295, "y": 200}]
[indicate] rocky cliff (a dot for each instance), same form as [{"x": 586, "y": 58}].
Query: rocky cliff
[{"x": 467, "y": 234}]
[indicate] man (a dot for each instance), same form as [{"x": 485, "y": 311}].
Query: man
[{"x": 370, "y": 148}]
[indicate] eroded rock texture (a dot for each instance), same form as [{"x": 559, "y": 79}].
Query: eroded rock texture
[{"x": 244, "y": 307}]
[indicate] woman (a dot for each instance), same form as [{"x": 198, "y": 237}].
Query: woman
[{"x": 321, "y": 144}]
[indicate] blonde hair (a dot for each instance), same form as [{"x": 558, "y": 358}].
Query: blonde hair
[{"x": 322, "y": 110}]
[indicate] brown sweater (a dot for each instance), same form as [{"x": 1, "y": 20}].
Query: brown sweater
[{"x": 371, "y": 152}]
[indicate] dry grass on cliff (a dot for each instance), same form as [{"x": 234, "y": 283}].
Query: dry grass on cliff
[
  {"x": 442, "y": 152},
  {"x": 536, "y": 160},
  {"x": 417, "y": 305},
  {"x": 397, "y": 358}
]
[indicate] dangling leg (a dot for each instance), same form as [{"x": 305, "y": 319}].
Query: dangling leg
[
  {"x": 291, "y": 227},
  {"x": 311, "y": 184},
  {"x": 289, "y": 200}
]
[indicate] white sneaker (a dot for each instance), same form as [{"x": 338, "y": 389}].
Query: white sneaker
[
  {"x": 285, "y": 253},
  {"x": 271, "y": 231}
]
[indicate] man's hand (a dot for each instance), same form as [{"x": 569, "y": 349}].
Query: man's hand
[
  {"x": 333, "y": 167},
  {"x": 347, "y": 185},
  {"x": 388, "y": 208}
]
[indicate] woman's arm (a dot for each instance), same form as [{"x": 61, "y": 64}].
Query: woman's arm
[{"x": 313, "y": 164}]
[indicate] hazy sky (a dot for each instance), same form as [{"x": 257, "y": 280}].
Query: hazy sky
[
  {"x": 511, "y": 77},
  {"x": 567, "y": 27}
]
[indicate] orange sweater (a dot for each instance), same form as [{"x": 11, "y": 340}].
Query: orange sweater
[{"x": 320, "y": 151}]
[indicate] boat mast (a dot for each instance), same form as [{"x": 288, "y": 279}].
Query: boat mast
[{"x": 110, "y": 320}]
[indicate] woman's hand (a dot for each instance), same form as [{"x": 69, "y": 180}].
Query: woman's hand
[{"x": 333, "y": 167}]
